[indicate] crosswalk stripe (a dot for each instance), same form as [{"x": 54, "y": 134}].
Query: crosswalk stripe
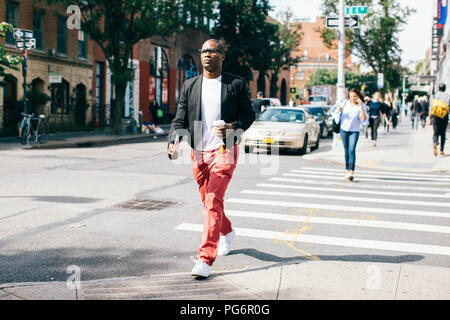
[
  {"x": 383, "y": 176},
  {"x": 373, "y": 192},
  {"x": 357, "y": 178},
  {"x": 339, "y": 221},
  {"x": 385, "y": 187},
  {"x": 418, "y": 175},
  {"x": 362, "y": 210},
  {"x": 334, "y": 241},
  {"x": 347, "y": 198}
]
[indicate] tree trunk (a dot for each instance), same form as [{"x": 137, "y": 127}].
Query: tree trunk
[{"x": 119, "y": 105}]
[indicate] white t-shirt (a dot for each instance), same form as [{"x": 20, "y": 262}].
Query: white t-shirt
[{"x": 211, "y": 105}]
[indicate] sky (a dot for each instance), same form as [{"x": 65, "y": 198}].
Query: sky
[{"x": 414, "y": 40}]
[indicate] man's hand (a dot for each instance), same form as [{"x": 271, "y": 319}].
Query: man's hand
[
  {"x": 223, "y": 132},
  {"x": 170, "y": 151}
]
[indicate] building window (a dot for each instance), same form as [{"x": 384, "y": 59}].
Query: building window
[
  {"x": 38, "y": 28},
  {"x": 300, "y": 75},
  {"x": 59, "y": 97},
  {"x": 82, "y": 44},
  {"x": 186, "y": 70},
  {"x": 161, "y": 75},
  {"x": 11, "y": 18},
  {"x": 61, "y": 45}
]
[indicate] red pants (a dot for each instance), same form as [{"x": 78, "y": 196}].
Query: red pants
[{"x": 213, "y": 171}]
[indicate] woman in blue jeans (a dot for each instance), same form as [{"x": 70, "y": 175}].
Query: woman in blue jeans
[{"x": 351, "y": 116}]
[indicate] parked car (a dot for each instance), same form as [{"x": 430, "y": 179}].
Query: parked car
[
  {"x": 319, "y": 100},
  {"x": 323, "y": 117},
  {"x": 291, "y": 128}
]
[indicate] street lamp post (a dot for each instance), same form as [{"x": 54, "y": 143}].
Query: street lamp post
[
  {"x": 318, "y": 69},
  {"x": 341, "y": 53}
]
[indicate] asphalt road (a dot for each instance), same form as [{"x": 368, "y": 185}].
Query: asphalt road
[{"x": 60, "y": 208}]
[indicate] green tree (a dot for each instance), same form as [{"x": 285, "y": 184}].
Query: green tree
[
  {"x": 6, "y": 61},
  {"x": 375, "y": 42},
  {"x": 116, "y": 26},
  {"x": 249, "y": 36},
  {"x": 287, "y": 38}
]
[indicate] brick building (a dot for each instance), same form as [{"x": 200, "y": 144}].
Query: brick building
[
  {"x": 314, "y": 55},
  {"x": 60, "y": 67},
  {"x": 73, "y": 73}
]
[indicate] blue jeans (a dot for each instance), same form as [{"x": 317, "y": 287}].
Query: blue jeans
[{"x": 350, "y": 139}]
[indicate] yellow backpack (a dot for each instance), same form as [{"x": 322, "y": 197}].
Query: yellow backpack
[{"x": 439, "y": 108}]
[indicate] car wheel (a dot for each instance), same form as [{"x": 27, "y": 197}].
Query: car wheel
[
  {"x": 304, "y": 148},
  {"x": 316, "y": 145}
]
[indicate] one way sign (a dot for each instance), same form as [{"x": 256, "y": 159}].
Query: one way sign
[
  {"x": 350, "y": 22},
  {"x": 22, "y": 34}
]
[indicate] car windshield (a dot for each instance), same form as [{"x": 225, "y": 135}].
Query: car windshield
[
  {"x": 282, "y": 115},
  {"x": 317, "y": 99},
  {"x": 316, "y": 111}
]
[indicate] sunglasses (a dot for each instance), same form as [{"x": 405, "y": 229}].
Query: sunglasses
[{"x": 212, "y": 51}]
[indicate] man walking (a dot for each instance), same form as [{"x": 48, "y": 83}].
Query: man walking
[
  {"x": 205, "y": 99},
  {"x": 439, "y": 117}
]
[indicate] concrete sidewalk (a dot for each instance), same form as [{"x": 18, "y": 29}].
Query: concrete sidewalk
[
  {"x": 402, "y": 150},
  {"x": 310, "y": 280},
  {"x": 82, "y": 139}
]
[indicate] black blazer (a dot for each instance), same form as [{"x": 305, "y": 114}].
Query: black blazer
[{"x": 236, "y": 109}]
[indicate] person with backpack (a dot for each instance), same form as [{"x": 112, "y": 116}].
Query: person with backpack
[{"x": 439, "y": 118}]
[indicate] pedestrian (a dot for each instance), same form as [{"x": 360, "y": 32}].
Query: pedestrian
[
  {"x": 367, "y": 101},
  {"x": 439, "y": 117},
  {"x": 205, "y": 99},
  {"x": 415, "y": 112},
  {"x": 387, "y": 113},
  {"x": 424, "y": 106},
  {"x": 20, "y": 117},
  {"x": 374, "y": 111},
  {"x": 258, "y": 103},
  {"x": 153, "y": 110},
  {"x": 351, "y": 116}
]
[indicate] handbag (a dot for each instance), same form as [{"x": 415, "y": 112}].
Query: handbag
[{"x": 336, "y": 127}]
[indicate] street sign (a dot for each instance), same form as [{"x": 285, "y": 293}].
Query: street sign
[
  {"x": 22, "y": 34},
  {"x": 350, "y": 22},
  {"x": 356, "y": 11},
  {"x": 27, "y": 44},
  {"x": 54, "y": 77},
  {"x": 380, "y": 82}
]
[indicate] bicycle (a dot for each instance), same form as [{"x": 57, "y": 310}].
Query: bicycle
[{"x": 31, "y": 135}]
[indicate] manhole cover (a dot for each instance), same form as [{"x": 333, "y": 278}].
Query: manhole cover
[{"x": 145, "y": 204}]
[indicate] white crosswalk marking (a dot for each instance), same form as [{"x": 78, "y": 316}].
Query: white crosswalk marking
[
  {"x": 341, "y": 183},
  {"x": 332, "y": 241},
  {"x": 346, "y": 208},
  {"x": 347, "y": 198},
  {"x": 362, "y": 211},
  {"x": 385, "y": 177},
  {"x": 372, "y": 192},
  {"x": 341, "y": 177},
  {"x": 380, "y": 172},
  {"x": 340, "y": 221}
]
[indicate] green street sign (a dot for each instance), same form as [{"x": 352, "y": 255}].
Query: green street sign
[{"x": 355, "y": 11}]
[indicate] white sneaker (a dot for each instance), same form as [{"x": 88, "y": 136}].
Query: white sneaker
[
  {"x": 201, "y": 268},
  {"x": 225, "y": 243}
]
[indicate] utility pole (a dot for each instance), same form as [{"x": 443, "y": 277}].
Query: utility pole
[
  {"x": 24, "y": 73},
  {"x": 403, "y": 94},
  {"x": 341, "y": 53}
]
